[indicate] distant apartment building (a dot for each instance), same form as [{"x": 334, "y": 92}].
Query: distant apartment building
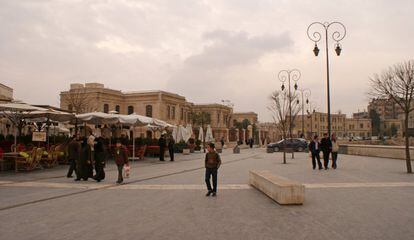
[
  {"x": 363, "y": 114},
  {"x": 386, "y": 108},
  {"x": 358, "y": 127},
  {"x": 317, "y": 124}
]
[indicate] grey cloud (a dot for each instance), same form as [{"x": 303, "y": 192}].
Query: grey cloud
[
  {"x": 227, "y": 66},
  {"x": 230, "y": 48}
]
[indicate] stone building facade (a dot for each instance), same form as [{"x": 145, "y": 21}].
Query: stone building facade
[
  {"x": 358, "y": 127},
  {"x": 240, "y": 116},
  {"x": 316, "y": 123},
  {"x": 166, "y": 106},
  {"x": 386, "y": 108}
]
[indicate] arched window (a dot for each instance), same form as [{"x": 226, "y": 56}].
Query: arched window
[
  {"x": 148, "y": 110},
  {"x": 106, "y": 108},
  {"x": 130, "y": 110},
  {"x": 118, "y": 108},
  {"x": 173, "y": 112}
]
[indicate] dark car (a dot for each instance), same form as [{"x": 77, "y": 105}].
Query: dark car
[{"x": 297, "y": 144}]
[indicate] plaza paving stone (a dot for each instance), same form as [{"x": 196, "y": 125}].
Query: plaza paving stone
[{"x": 366, "y": 198}]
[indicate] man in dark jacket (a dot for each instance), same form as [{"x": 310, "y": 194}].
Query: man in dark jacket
[
  {"x": 326, "y": 147},
  {"x": 74, "y": 149},
  {"x": 171, "y": 143},
  {"x": 84, "y": 166},
  {"x": 161, "y": 144},
  {"x": 121, "y": 158},
  {"x": 314, "y": 148},
  {"x": 212, "y": 164}
]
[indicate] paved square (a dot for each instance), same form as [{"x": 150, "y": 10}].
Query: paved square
[{"x": 366, "y": 198}]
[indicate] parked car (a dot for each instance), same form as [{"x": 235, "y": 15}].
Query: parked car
[{"x": 297, "y": 144}]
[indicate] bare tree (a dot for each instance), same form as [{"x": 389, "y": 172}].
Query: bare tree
[
  {"x": 397, "y": 84},
  {"x": 78, "y": 101},
  {"x": 284, "y": 111},
  {"x": 279, "y": 108}
]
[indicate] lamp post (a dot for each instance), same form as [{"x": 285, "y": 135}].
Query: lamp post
[
  {"x": 307, "y": 92},
  {"x": 289, "y": 75},
  {"x": 310, "y": 112},
  {"x": 337, "y": 35}
]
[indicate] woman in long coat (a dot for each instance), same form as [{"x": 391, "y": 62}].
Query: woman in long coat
[
  {"x": 85, "y": 165},
  {"x": 99, "y": 160}
]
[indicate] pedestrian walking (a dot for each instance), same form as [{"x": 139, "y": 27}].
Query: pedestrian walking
[
  {"x": 314, "y": 148},
  {"x": 99, "y": 160},
  {"x": 85, "y": 165},
  {"x": 171, "y": 144},
  {"x": 161, "y": 144},
  {"x": 74, "y": 149},
  {"x": 251, "y": 141},
  {"x": 212, "y": 164},
  {"x": 326, "y": 147},
  {"x": 222, "y": 142},
  {"x": 121, "y": 159},
  {"x": 335, "y": 149}
]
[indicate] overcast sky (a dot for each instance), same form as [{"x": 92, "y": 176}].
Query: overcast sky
[{"x": 204, "y": 50}]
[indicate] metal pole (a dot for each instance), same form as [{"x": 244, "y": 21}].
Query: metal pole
[
  {"x": 327, "y": 82},
  {"x": 311, "y": 135},
  {"x": 15, "y": 139},
  {"x": 303, "y": 117},
  {"x": 337, "y": 36},
  {"x": 290, "y": 109}
]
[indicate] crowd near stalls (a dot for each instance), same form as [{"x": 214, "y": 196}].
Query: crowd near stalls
[{"x": 38, "y": 137}]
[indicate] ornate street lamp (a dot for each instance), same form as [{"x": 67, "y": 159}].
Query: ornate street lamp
[
  {"x": 338, "y": 34},
  {"x": 305, "y": 93},
  {"x": 289, "y": 75}
]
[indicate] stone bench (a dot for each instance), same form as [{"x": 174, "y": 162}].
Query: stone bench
[{"x": 282, "y": 190}]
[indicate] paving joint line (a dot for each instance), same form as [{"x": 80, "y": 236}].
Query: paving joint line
[
  {"x": 115, "y": 185},
  {"x": 112, "y": 170}
]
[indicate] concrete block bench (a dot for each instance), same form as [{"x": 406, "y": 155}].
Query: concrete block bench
[{"x": 280, "y": 189}]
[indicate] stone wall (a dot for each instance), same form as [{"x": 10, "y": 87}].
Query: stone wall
[{"x": 396, "y": 152}]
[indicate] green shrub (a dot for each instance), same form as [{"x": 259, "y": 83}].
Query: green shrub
[{"x": 178, "y": 147}]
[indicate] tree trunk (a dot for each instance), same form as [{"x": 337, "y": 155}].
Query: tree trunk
[{"x": 407, "y": 145}]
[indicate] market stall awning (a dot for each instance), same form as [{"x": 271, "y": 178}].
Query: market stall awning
[
  {"x": 53, "y": 115},
  {"x": 98, "y": 118}
]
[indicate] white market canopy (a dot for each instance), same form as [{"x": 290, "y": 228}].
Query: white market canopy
[
  {"x": 50, "y": 114},
  {"x": 100, "y": 118},
  {"x": 18, "y": 107},
  {"x": 209, "y": 134},
  {"x": 201, "y": 134},
  {"x": 135, "y": 120}
]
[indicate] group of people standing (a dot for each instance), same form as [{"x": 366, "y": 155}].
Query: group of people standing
[
  {"x": 162, "y": 143},
  {"x": 328, "y": 146},
  {"x": 87, "y": 154}
]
